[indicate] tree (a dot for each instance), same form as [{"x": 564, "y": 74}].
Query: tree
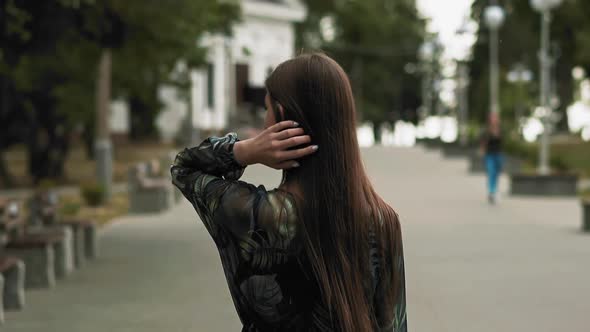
[
  {"x": 373, "y": 41},
  {"x": 49, "y": 51}
]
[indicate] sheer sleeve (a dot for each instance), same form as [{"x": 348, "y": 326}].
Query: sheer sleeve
[
  {"x": 391, "y": 313},
  {"x": 208, "y": 175}
]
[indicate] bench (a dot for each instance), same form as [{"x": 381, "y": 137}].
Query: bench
[
  {"x": 63, "y": 246},
  {"x": 37, "y": 253},
  {"x": 43, "y": 220},
  {"x": 46, "y": 251},
  {"x": 149, "y": 191}
]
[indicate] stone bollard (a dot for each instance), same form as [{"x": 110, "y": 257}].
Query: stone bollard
[
  {"x": 90, "y": 241},
  {"x": 85, "y": 240},
  {"x": 14, "y": 287},
  {"x": 64, "y": 253},
  {"x": 79, "y": 245}
]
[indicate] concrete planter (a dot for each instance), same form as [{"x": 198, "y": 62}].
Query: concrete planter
[
  {"x": 544, "y": 185},
  {"x": 511, "y": 165},
  {"x": 586, "y": 215},
  {"x": 458, "y": 151},
  {"x": 431, "y": 144}
]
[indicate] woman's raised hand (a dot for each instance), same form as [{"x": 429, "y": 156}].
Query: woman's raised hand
[{"x": 271, "y": 147}]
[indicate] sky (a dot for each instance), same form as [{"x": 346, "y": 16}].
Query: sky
[{"x": 448, "y": 16}]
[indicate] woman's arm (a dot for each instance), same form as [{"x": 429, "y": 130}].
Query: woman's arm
[
  {"x": 204, "y": 174},
  {"x": 208, "y": 174}
]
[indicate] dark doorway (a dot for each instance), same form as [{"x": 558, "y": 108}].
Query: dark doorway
[{"x": 241, "y": 83}]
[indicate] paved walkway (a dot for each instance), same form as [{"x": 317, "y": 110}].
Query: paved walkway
[{"x": 519, "y": 266}]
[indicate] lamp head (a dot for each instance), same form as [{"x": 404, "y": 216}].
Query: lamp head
[
  {"x": 545, "y": 5},
  {"x": 494, "y": 17},
  {"x": 427, "y": 51}
]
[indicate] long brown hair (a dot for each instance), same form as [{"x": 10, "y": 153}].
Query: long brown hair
[{"x": 340, "y": 208}]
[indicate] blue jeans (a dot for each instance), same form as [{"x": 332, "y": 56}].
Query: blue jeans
[{"x": 494, "y": 163}]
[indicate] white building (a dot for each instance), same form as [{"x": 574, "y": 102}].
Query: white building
[{"x": 226, "y": 89}]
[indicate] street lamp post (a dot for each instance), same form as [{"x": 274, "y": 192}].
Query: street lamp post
[
  {"x": 545, "y": 7},
  {"x": 426, "y": 55},
  {"x": 494, "y": 18},
  {"x": 462, "y": 85},
  {"x": 465, "y": 34},
  {"x": 519, "y": 75}
]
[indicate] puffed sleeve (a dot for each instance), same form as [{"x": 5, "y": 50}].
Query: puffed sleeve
[
  {"x": 391, "y": 312},
  {"x": 207, "y": 175}
]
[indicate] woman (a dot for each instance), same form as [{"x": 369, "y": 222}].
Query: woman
[
  {"x": 323, "y": 252},
  {"x": 491, "y": 148}
]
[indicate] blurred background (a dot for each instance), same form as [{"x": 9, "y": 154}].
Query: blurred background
[{"x": 95, "y": 97}]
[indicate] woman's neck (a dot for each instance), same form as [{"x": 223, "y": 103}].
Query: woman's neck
[{"x": 291, "y": 183}]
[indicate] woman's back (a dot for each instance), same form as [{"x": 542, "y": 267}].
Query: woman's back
[{"x": 330, "y": 259}]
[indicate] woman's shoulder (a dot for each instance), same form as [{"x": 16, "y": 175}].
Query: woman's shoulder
[{"x": 277, "y": 212}]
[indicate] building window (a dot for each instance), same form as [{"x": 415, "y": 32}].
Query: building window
[
  {"x": 241, "y": 82},
  {"x": 210, "y": 86}
]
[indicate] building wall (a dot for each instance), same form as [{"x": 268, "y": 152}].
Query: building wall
[
  {"x": 269, "y": 43},
  {"x": 263, "y": 39}
]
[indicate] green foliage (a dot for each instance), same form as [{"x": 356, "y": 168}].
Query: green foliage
[
  {"x": 374, "y": 40},
  {"x": 49, "y": 52},
  {"x": 153, "y": 38},
  {"x": 46, "y": 185},
  {"x": 570, "y": 157},
  {"x": 93, "y": 194},
  {"x": 520, "y": 43}
]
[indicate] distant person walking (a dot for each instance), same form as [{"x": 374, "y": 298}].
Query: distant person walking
[{"x": 491, "y": 148}]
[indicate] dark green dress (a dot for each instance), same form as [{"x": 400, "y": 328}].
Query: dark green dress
[{"x": 255, "y": 231}]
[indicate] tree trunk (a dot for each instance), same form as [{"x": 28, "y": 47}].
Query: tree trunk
[
  {"x": 103, "y": 146},
  {"x": 5, "y": 176},
  {"x": 143, "y": 117}
]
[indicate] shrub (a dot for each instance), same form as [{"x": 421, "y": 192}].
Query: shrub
[
  {"x": 70, "y": 209},
  {"x": 46, "y": 185},
  {"x": 93, "y": 194},
  {"x": 559, "y": 163}
]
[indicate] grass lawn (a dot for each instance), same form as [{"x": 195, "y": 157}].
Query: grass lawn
[
  {"x": 575, "y": 155},
  {"x": 79, "y": 169},
  {"x": 568, "y": 156},
  {"x": 74, "y": 207}
]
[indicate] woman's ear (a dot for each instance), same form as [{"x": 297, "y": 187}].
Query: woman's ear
[{"x": 281, "y": 110}]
